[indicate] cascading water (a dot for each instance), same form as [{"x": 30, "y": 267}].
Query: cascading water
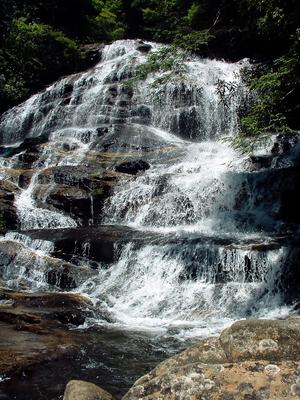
[{"x": 188, "y": 281}]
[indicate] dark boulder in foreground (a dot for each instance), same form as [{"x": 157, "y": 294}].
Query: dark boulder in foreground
[{"x": 132, "y": 167}]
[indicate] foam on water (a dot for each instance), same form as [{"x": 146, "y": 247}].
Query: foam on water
[
  {"x": 188, "y": 192},
  {"x": 33, "y": 217},
  {"x": 187, "y": 288}
]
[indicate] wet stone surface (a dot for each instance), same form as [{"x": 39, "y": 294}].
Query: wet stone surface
[{"x": 34, "y": 327}]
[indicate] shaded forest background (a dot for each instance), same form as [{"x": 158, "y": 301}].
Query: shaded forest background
[{"x": 41, "y": 40}]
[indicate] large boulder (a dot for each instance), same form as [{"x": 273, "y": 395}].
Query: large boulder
[
  {"x": 262, "y": 340},
  {"x": 245, "y": 381},
  {"x": 253, "y": 360},
  {"x": 80, "y": 390}
]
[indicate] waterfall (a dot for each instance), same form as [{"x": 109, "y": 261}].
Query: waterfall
[
  {"x": 190, "y": 289},
  {"x": 196, "y": 196}
]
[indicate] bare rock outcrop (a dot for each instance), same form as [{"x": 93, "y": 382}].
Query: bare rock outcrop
[{"x": 255, "y": 360}]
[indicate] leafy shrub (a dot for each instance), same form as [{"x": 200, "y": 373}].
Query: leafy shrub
[
  {"x": 35, "y": 53},
  {"x": 169, "y": 62}
]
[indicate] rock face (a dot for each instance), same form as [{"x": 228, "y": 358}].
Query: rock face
[
  {"x": 251, "y": 360},
  {"x": 22, "y": 266},
  {"x": 133, "y": 167},
  {"x": 80, "y": 390},
  {"x": 78, "y": 192},
  {"x": 92, "y": 244},
  {"x": 8, "y": 216}
]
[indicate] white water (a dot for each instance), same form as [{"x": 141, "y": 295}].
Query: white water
[
  {"x": 187, "y": 194},
  {"x": 185, "y": 287},
  {"x": 150, "y": 288},
  {"x": 32, "y": 217}
]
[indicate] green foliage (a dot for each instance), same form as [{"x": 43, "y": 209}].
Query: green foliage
[
  {"x": 271, "y": 111},
  {"x": 193, "y": 14},
  {"x": 108, "y": 23},
  {"x": 246, "y": 144},
  {"x": 167, "y": 58},
  {"x": 35, "y": 52},
  {"x": 195, "y": 41},
  {"x": 40, "y": 40},
  {"x": 151, "y": 16},
  {"x": 169, "y": 61},
  {"x": 98, "y": 192},
  {"x": 226, "y": 91}
]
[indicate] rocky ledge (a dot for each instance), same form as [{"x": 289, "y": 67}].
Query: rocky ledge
[
  {"x": 34, "y": 327},
  {"x": 251, "y": 360}
]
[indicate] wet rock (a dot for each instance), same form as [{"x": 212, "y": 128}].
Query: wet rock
[
  {"x": 289, "y": 209},
  {"x": 251, "y": 360},
  {"x": 284, "y": 153},
  {"x": 91, "y": 54},
  {"x": 26, "y": 145},
  {"x": 70, "y": 176},
  {"x": 24, "y": 178},
  {"x": 80, "y": 390},
  {"x": 17, "y": 260},
  {"x": 274, "y": 193},
  {"x": 259, "y": 162},
  {"x": 144, "y": 47},
  {"x": 92, "y": 244},
  {"x": 133, "y": 167},
  {"x": 187, "y": 125},
  {"x": 60, "y": 278},
  {"x": 69, "y": 146},
  {"x": 34, "y": 327},
  {"x": 284, "y": 143},
  {"x": 79, "y": 192},
  {"x": 73, "y": 201},
  {"x": 289, "y": 280},
  {"x": 41, "y": 307},
  {"x": 45, "y": 299},
  {"x": 8, "y": 212},
  {"x": 142, "y": 114},
  {"x": 27, "y": 158}
]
